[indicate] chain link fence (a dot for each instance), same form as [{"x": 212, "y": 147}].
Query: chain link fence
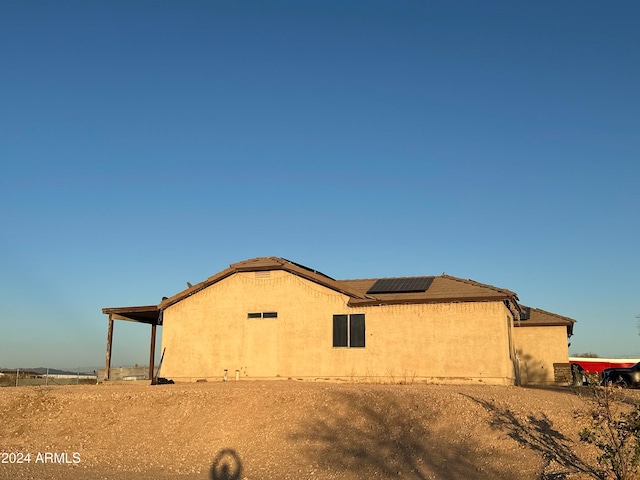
[
  {"x": 120, "y": 374},
  {"x": 79, "y": 376},
  {"x": 45, "y": 377}
]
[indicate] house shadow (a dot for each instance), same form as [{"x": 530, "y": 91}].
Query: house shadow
[
  {"x": 226, "y": 466},
  {"x": 533, "y": 371},
  {"x": 537, "y": 433},
  {"x": 363, "y": 435}
]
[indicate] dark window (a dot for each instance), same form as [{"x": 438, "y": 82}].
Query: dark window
[
  {"x": 349, "y": 330},
  {"x": 356, "y": 330},
  {"x": 262, "y": 315},
  {"x": 340, "y": 330}
]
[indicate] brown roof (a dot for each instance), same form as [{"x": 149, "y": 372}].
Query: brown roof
[
  {"x": 542, "y": 318},
  {"x": 443, "y": 289},
  {"x": 262, "y": 264}
]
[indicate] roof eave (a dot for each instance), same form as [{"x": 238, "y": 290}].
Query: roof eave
[
  {"x": 143, "y": 308},
  {"x": 195, "y": 288},
  {"x": 235, "y": 268},
  {"x": 524, "y": 323},
  {"x": 333, "y": 285},
  {"x": 149, "y": 314},
  {"x": 400, "y": 301}
]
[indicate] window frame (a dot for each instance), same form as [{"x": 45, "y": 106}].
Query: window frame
[
  {"x": 349, "y": 330},
  {"x": 254, "y": 315}
]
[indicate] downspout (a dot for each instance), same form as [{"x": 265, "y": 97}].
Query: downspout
[
  {"x": 152, "y": 374},
  {"x": 513, "y": 307}
]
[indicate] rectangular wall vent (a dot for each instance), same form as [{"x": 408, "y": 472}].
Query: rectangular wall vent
[{"x": 262, "y": 315}]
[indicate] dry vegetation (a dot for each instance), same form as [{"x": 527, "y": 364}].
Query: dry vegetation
[{"x": 296, "y": 430}]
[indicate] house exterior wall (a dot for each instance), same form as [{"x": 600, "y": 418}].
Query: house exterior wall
[
  {"x": 209, "y": 331},
  {"x": 538, "y": 348}
]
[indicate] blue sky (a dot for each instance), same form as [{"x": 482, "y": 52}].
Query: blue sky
[{"x": 147, "y": 144}]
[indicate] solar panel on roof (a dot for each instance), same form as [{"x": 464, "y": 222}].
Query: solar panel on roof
[{"x": 401, "y": 285}]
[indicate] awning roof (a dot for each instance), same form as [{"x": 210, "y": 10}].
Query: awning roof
[{"x": 147, "y": 314}]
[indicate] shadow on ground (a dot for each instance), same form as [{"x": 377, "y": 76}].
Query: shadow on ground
[
  {"x": 372, "y": 436},
  {"x": 537, "y": 433},
  {"x": 226, "y": 466}
]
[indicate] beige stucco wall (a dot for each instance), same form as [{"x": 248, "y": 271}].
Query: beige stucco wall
[
  {"x": 209, "y": 332},
  {"x": 538, "y": 348}
]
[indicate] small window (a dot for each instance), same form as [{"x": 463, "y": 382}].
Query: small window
[
  {"x": 349, "y": 330},
  {"x": 262, "y": 315}
]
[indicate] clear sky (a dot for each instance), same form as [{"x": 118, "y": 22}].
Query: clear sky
[{"x": 146, "y": 144}]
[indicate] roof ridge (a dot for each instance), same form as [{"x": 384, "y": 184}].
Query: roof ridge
[
  {"x": 356, "y": 279},
  {"x": 278, "y": 263},
  {"x": 385, "y": 278},
  {"x": 479, "y": 284},
  {"x": 342, "y": 286}
]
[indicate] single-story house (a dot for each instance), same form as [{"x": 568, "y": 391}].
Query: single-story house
[{"x": 268, "y": 318}]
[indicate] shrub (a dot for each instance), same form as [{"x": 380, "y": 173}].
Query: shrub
[{"x": 615, "y": 433}]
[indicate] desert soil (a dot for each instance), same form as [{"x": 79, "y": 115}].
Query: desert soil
[{"x": 295, "y": 430}]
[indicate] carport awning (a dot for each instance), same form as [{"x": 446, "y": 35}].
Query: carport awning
[{"x": 149, "y": 314}]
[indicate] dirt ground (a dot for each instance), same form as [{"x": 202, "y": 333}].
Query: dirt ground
[{"x": 294, "y": 430}]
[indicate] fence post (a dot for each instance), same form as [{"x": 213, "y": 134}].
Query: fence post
[
  {"x": 46, "y": 379},
  {"x": 17, "y": 375}
]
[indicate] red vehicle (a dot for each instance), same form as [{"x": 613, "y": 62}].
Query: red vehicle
[{"x": 597, "y": 365}]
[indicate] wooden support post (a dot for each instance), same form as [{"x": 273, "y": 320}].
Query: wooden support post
[
  {"x": 109, "y": 341},
  {"x": 152, "y": 354}
]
